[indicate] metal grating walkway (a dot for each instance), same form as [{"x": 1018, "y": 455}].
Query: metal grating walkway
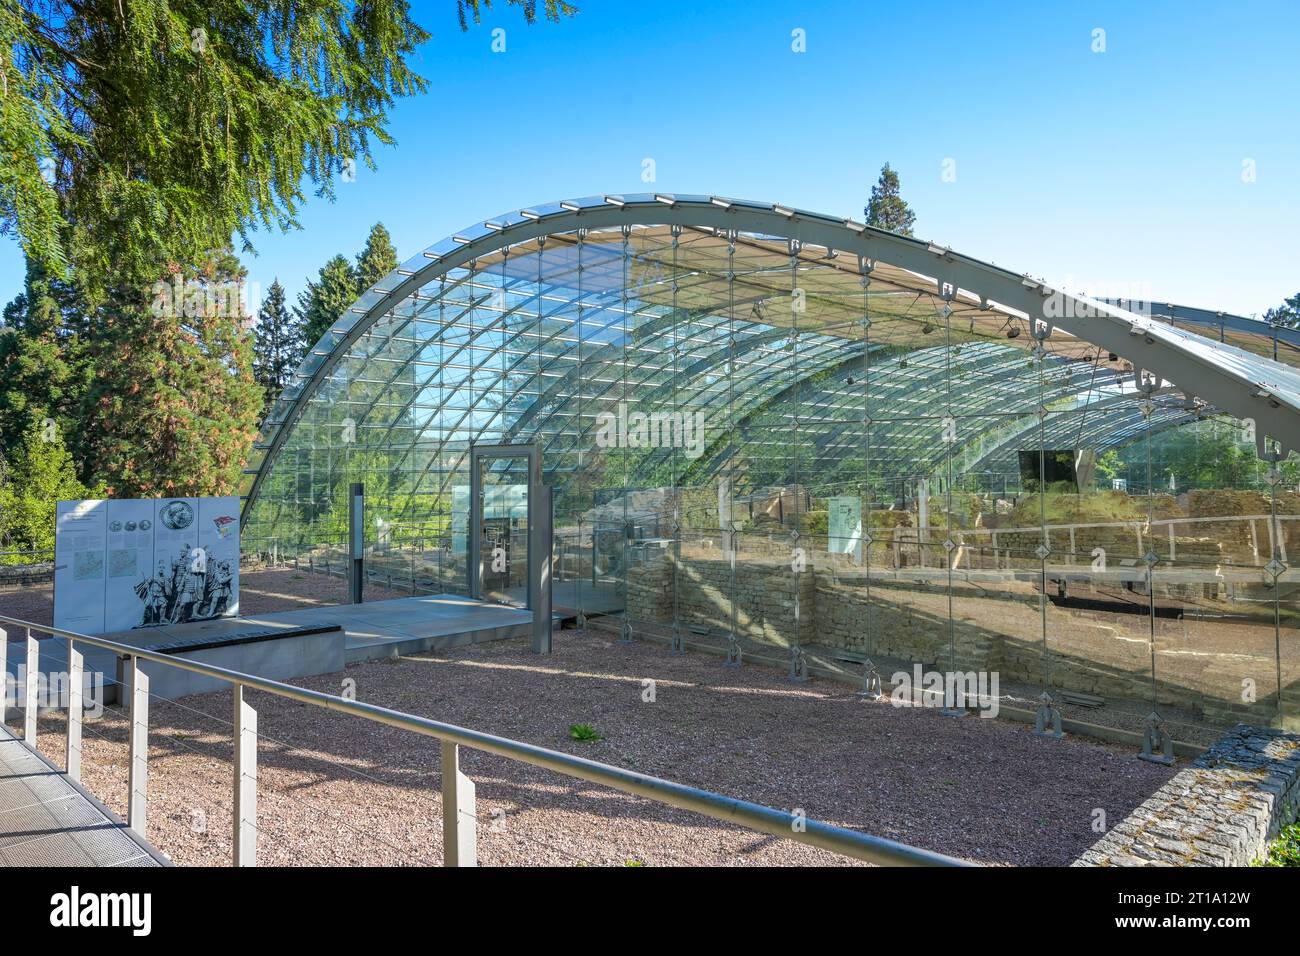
[{"x": 47, "y": 820}]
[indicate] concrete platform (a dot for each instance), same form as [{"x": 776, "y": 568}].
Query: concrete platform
[
  {"x": 370, "y": 631},
  {"x": 48, "y": 820}
]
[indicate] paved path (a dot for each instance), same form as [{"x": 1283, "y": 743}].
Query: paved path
[{"x": 47, "y": 820}]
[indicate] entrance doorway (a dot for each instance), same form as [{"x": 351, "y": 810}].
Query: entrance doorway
[
  {"x": 511, "y": 519},
  {"x": 503, "y": 480}
]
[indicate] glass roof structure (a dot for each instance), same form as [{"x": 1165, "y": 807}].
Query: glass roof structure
[{"x": 810, "y": 350}]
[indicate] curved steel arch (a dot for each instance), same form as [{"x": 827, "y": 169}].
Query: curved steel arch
[{"x": 1231, "y": 379}]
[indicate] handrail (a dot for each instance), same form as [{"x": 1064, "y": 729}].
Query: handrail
[{"x": 779, "y": 823}]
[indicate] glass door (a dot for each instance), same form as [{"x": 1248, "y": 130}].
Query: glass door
[{"x": 500, "y": 478}]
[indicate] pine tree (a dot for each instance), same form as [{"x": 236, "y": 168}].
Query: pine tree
[
  {"x": 277, "y": 346},
  {"x": 159, "y": 127},
  {"x": 156, "y": 127},
  {"x": 43, "y": 374},
  {"x": 1287, "y": 314},
  {"x": 40, "y": 474},
  {"x": 174, "y": 406},
  {"x": 377, "y": 259},
  {"x": 136, "y": 138},
  {"x": 887, "y": 209},
  {"x": 326, "y": 299}
]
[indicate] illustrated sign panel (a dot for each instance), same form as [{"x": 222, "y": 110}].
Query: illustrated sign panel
[{"x": 143, "y": 562}]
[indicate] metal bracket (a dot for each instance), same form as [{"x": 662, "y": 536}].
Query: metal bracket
[
  {"x": 677, "y": 643},
  {"x": 1049, "y": 715},
  {"x": 955, "y": 712},
  {"x": 1157, "y": 744},
  {"x": 871, "y": 688},
  {"x": 798, "y": 665},
  {"x": 733, "y": 652}
]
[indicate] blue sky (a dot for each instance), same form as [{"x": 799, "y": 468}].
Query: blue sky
[{"x": 1114, "y": 170}]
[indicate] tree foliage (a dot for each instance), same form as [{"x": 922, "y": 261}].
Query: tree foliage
[
  {"x": 377, "y": 259},
  {"x": 159, "y": 128},
  {"x": 326, "y": 298},
  {"x": 1287, "y": 314},
  {"x": 43, "y": 371},
  {"x": 887, "y": 209},
  {"x": 277, "y": 346},
  {"x": 174, "y": 405},
  {"x": 40, "y": 475},
  {"x": 136, "y": 138},
  {"x": 554, "y": 9},
  {"x": 1207, "y": 454},
  {"x": 339, "y": 283}
]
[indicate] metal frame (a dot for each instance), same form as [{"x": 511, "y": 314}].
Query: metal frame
[
  {"x": 541, "y": 520},
  {"x": 477, "y": 455},
  {"x": 541, "y": 548},
  {"x": 1232, "y": 379},
  {"x": 1221, "y": 322},
  {"x": 459, "y": 816},
  {"x": 356, "y": 542}
]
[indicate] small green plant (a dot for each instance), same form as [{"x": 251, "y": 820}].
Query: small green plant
[
  {"x": 634, "y": 862},
  {"x": 585, "y": 732},
  {"x": 1285, "y": 850}
]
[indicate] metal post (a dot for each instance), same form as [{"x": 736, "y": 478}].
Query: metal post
[
  {"x": 540, "y": 533},
  {"x": 76, "y": 667},
  {"x": 245, "y": 806},
  {"x": 459, "y": 833},
  {"x": 356, "y": 541},
  {"x": 474, "y": 557},
  {"x": 4, "y": 674},
  {"x": 138, "y": 765},
  {"x": 32, "y": 691}
]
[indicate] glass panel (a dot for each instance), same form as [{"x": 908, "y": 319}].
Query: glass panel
[
  {"x": 908, "y": 478},
  {"x": 503, "y": 530}
]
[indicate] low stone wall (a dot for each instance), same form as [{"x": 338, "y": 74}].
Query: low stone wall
[
  {"x": 26, "y": 575},
  {"x": 764, "y": 593},
  {"x": 845, "y": 617},
  {"x": 1107, "y": 655},
  {"x": 1223, "y": 810}
]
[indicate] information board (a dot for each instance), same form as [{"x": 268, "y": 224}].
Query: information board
[
  {"x": 142, "y": 562},
  {"x": 844, "y": 526}
]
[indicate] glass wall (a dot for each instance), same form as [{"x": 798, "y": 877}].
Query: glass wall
[{"x": 806, "y": 456}]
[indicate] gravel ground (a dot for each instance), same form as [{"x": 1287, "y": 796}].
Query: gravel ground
[{"x": 334, "y": 790}]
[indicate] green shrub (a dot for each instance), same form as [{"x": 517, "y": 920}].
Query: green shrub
[
  {"x": 40, "y": 475},
  {"x": 585, "y": 733},
  {"x": 1285, "y": 850}
]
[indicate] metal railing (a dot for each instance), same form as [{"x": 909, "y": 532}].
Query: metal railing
[{"x": 458, "y": 809}]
